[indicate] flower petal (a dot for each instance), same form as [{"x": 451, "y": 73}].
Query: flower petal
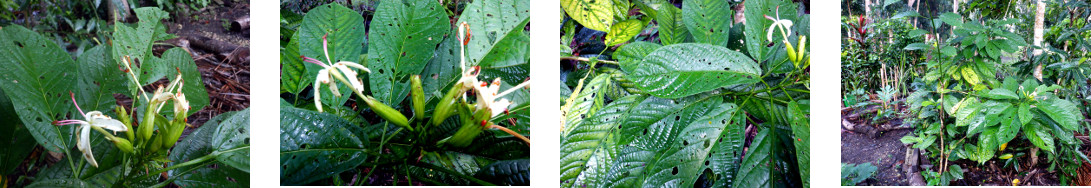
[{"x": 85, "y": 145}]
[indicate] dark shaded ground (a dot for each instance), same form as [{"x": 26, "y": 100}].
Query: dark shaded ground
[{"x": 886, "y": 152}]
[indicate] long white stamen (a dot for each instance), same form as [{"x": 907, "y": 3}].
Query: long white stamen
[{"x": 513, "y": 89}]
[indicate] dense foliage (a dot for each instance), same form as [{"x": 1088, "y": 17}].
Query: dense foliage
[
  {"x": 973, "y": 87},
  {"x": 680, "y": 94},
  {"x": 56, "y": 101},
  {"x": 393, "y": 98}
]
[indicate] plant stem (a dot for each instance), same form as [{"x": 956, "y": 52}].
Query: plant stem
[
  {"x": 584, "y": 59},
  {"x": 196, "y": 161},
  {"x": 513, "y": 133}
]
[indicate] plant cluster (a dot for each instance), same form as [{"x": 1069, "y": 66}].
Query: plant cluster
[
  {"x": 660, "y": 96},
  {"x": 980, "y": 93},
  {"x": 415, "y": 101},
  {"x": 60, "y": 101}
]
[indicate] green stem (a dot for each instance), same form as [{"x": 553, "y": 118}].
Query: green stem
[
  {"x": 196, "y": 161},
  {"x": 584, "y": 59}
]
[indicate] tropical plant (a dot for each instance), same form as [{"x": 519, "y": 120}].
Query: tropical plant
[
  {"x": 852, "y": 174},
  {"x": 340, "y": 118},
  {"x": 60, "y": 101},
  {"x": 672, "y": 104}
]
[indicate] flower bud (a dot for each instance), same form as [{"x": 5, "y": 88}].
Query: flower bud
[
  {"x": 446, "y": 106},
  {"x": 386, "y": 112},
  {"x": 417, "y": 93},
  {"x": 123, "y": 145}
]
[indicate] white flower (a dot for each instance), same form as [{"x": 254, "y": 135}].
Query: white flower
[
  {"x": 94, "y": 119},
  {"x": 487, "y": 98},
  {"x": 332, "y": 71},
  {"x": 785, "y": 29}
]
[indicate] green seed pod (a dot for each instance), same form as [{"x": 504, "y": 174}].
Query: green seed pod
[
  {"x": 472, "y": 125},
  {"x": 144, "y": 132},
  {"x": 446, "y": 106},
  {"x": 123, "y": 116},
  {"x": 386, "y": 112},
  {"x": 791, "y": 51},
  {"x": 176, "y": 128},
  {"x": 155, "y": 144},
  {"x": 802, "y": 46},
  {"x": 417, "y": 92},
  {"x": 1005, "y": 156},
  {"x": 123, "y": 145}
]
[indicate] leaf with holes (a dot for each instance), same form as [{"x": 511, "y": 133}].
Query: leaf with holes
[
  {"x": 672, "y": 28},
  {"x": 630, "y": 55},
  {"x": 234, "y": 133},
  {"x": 1062, "y": 111},
  {"x": 35, "y": 73},
  {"x": 756, "y": 170},
  {"x": 199, "y": 143},
  {"x": 593, "y": 14},
  {"x": 343, "y": 30},
  {"x": 708, "y": 20},
  {"x": 316, "y": 145},
  {"x": 402, "y": 38},
  {"x": 586, "y": 103},
  {"x": 685, "y": 69},
  {"x": 588, "y": 149}
]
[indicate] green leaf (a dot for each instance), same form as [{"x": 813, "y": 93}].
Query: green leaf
[
  {"x": 801, "y": 132},
  {"x": 18, "y": 142},
  {"x": 1062, "y": 111},
  {"x": 908, "y": 13},
  {"x": 343, "y": 30},
  {"x": 293, "y": 73},
  {"x": 672, "y": 29},
  {"x": 587, "y": 103},
  {"x": 1010, "y": 125},
  {"x": 1000, "y": 93},
  {"x": 630, "y": 55},
  {"x": 315, "y": 145},
  {"x": 917, "y": 46},
  {"x": 652, "y": 129},
  {"x": 757, "y": 25},
  {"x": 624, "y": 31},
  {"x": 587, "y": 151},
  {"x": 60, "y": 183},
  {"x": 592, "y": 14},
  {"x": 952, "y": 19},
  {"x": 685, "y": 69},
  {"x": 986, "y": 145},
  {"x": 199, "y": 144},
  {"x": 756, "y": 170},
  {"x": 948, "y": 51},
  {"x": 689, "y": 151},
  {"x": 708, "y": 20},
  {"x": 1039, "y": 136},
  {"x": 234, "y": 132},
  {"x": 99, "y": 80},
  {"x": 509, "y": 172},
  {"x": 1024, "y": 114},
  {"x": 35, "y": 72},
  {"x": 137, "y": 42},
  {"x": 403, "y": 36}
]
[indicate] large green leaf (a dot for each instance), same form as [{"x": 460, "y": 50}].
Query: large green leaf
[
  {"x": 756, "y": 169},
  {"x": 624, "y": 31},
  {"x": 587, "y": 151},
  {"x": 293, "y": 73},
  {"x": 18, "y": 142},
  {"x": 685, "y": 69},
  {"x": 199, "y": 143},
  {"x": 316, "y": 145},
  {"x": 757, "y": 25},
  {"x": 630, "y": 55},
  {"x": 1062, "y": 111},
  {"x": 234, "y": 132},
  {"x": 343, "y": 30},
  {"x": 592, "y": 14},
  {"x": 498, "y": 42},
  {"x": 690, "y": 153},
  {"x": 136, "y": 42},
  {"x": 403, "y": 36},
  {"x": 708, "y": 20},
  {"x": 61, "y": 183},
  {"x": 36, "y": 74},
  {"x": 586, "y": 103},
  {"x": 1000, "y": 93},
  {"x": 99, "y": 80},
  {"x": 510, "y": 172},
  {"x": 801, "y": 131},
  {"x": 1010, "y": 124},
  {"x": 1039, "y": 136},
  {"x": 653, "y": 133},
  {"x": 986, "y": 145},
  {"x": 672, "y": 29}
]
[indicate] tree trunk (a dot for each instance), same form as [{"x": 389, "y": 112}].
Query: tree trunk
[{"x": 1039, "y": 22}]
